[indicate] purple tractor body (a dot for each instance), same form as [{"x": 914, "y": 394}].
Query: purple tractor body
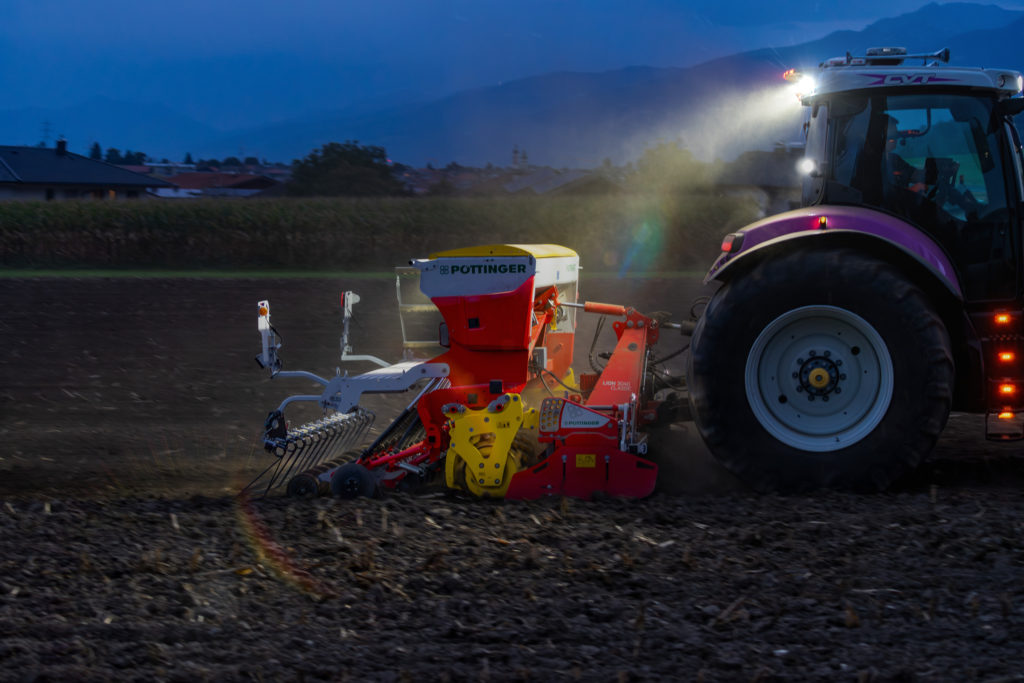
[
  {"x": 845, "y": 332},
  {"x": 815, "y": 221}
]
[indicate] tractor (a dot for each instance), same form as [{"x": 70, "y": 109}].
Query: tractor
[{"x": 843, "y": 333}]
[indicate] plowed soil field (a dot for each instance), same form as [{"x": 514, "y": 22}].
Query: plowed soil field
[{"x": 129, "y": 415}]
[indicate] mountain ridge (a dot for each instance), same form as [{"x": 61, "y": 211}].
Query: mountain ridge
[{"x": 717, "y": 108}]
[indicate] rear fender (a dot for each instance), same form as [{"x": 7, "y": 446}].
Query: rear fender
[
  {"x": 827, "y": 226},
  {"x": 888, "y": 239}
]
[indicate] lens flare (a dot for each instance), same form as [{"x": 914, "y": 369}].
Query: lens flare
[{"x": 644, "y": 249}]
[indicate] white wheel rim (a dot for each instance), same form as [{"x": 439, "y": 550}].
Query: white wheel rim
[{"x": 819, "y": 378}]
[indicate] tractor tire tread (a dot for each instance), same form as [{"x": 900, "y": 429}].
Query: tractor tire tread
[{"x": 814, "y": 276}]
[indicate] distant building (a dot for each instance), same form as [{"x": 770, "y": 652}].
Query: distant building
[
  {"x": 31, "y": 173},
  {"x": 168, "y": 168},
  {"x": 547, "y": 181},
  {"x": 211, "y": 184}
]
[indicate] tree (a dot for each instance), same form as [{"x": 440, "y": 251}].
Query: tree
[
  {"x": 188, "y": 158},
  {"x": 251, "y": 161},
  {"x": 113, "y": 156},
  {"x": 442, "y": 188},
  {"x": 231, "y": 161},
  {"x": 130, "y": 158},
  {"x": 96, "y": 152},
  {"x": 670, "y": 167},
  {"x": 347, "y": 169}
]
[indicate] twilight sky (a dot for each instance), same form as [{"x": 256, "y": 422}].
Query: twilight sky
[{"x": 230, "y": 63}]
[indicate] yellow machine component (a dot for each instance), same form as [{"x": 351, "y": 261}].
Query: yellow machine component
[
  {"x": 819, "y": 378},
  {"x": 543, "y": 387},
  {"x": 489, "y": 446}
]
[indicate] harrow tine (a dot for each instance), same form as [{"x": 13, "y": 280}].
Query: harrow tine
[
  {"x": 308, "y": 445},
  {"x": 319, "y": 445}
]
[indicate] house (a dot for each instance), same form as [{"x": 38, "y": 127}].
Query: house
[
  {"x": 168, "y": 168},
  {"x": 31, "y": 173},
  {"x": 212, "y": 184}
]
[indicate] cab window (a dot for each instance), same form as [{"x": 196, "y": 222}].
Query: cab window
[{"x": 933, "y": 160}]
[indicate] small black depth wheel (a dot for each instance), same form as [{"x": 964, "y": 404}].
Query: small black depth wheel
[
  {"x": 820, "y": 368},
  {"x": 304, "y": 485},
  {"x": 352, "y": 480}
]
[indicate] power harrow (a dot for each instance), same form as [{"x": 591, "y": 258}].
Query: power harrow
[{"x": 500, "y": 411}]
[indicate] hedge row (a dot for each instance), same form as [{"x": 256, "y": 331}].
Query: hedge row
[{"x": 638, "y": 232}]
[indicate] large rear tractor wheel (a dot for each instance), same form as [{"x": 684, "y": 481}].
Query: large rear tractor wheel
[{"x": 820, "y": 369}]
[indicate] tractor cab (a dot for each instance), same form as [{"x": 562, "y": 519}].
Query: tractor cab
[{"x": 933, "y": 145}]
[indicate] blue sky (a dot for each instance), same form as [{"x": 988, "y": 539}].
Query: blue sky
[{"x": 229, "y": 63}]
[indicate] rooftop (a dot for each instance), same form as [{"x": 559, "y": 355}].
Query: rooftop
[{"x": 57, "y": 166}]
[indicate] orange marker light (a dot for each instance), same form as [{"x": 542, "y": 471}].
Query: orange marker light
[
  {"x": 264, "y": 310},
  {"x": 1007, "y": 356},
  {"x": 1002, "y": 318},
  {"x": 822, "y": 222},
  {"x": 1007, "y": 389}
]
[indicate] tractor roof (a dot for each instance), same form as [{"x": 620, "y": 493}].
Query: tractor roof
[{"x": 887, "y": 68}]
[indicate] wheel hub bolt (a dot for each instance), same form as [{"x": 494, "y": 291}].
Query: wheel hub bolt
[{"x": 819, "y": 375}]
